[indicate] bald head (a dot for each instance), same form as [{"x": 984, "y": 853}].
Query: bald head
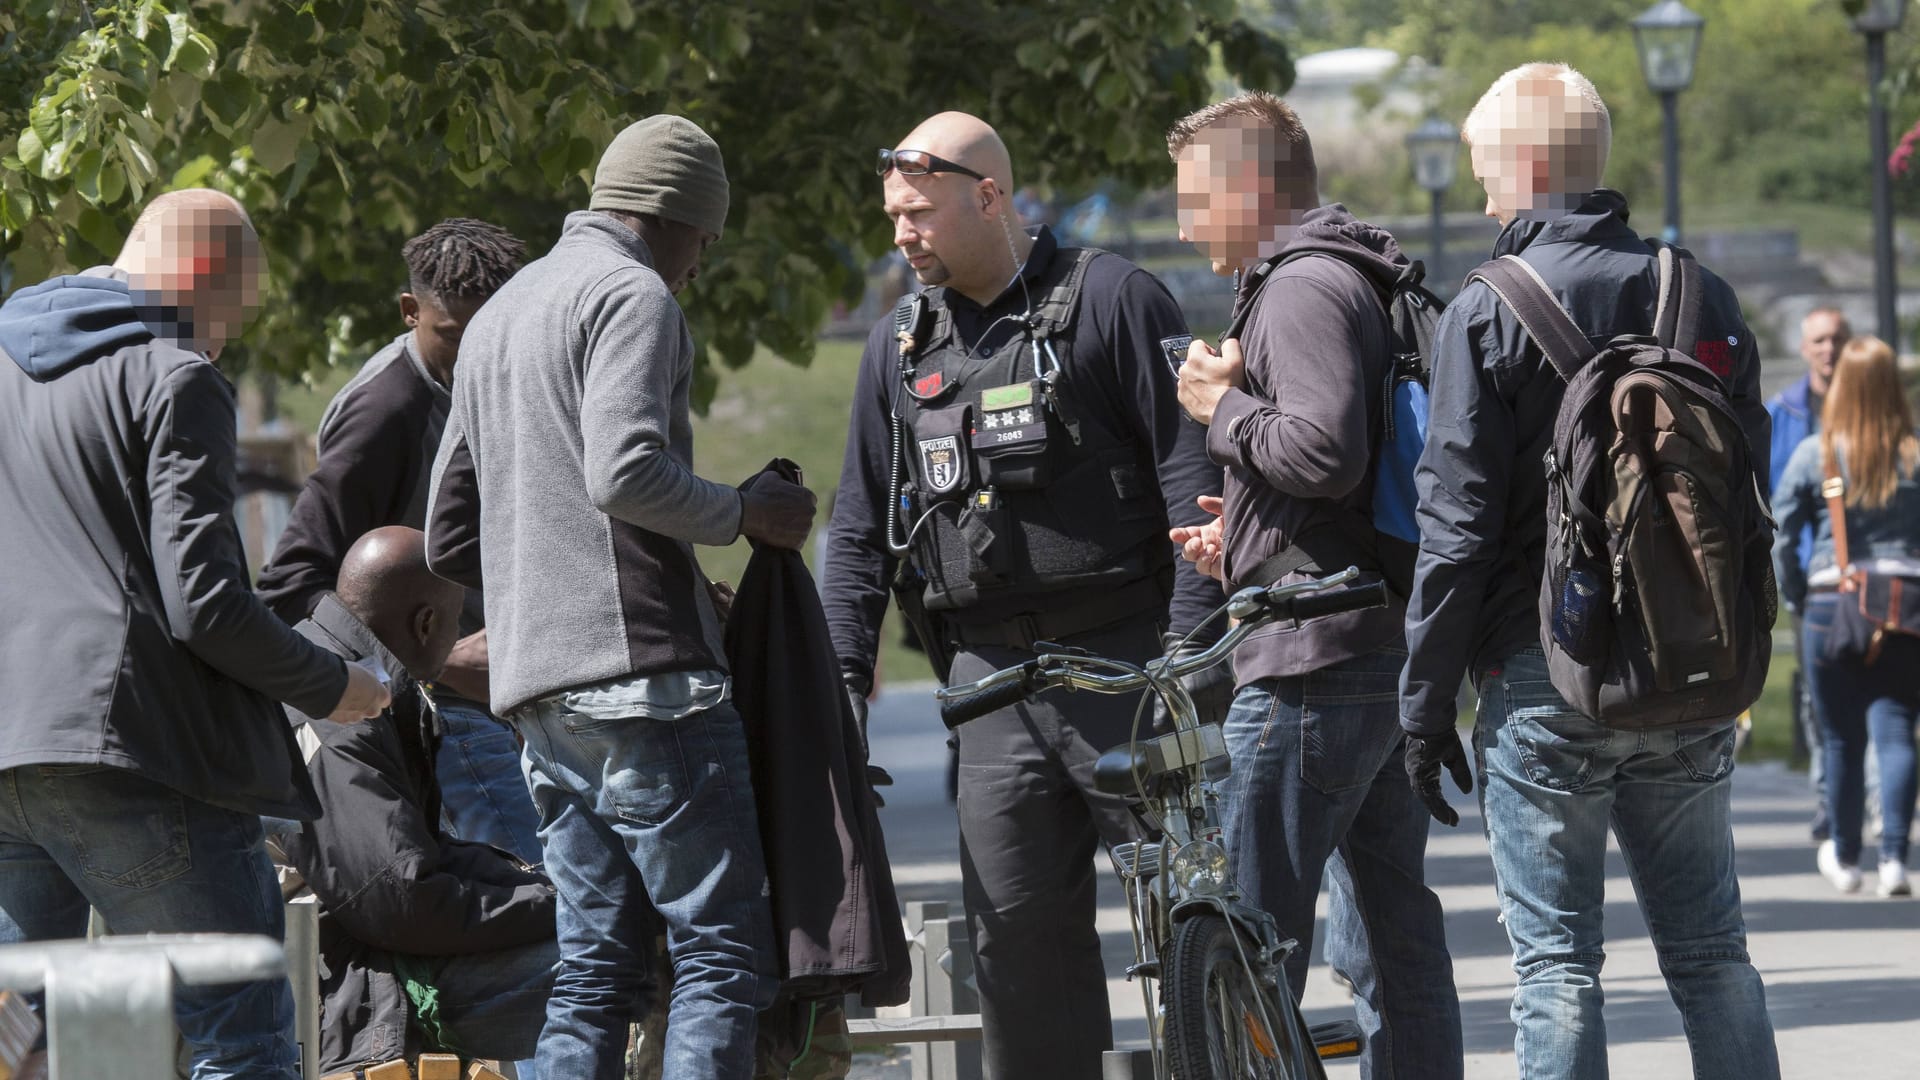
[
  {"x": 967, "y": 140},
  {"x": 957, "y": 230},
  {"x": 385, "y": 583},
  {"x": 194, "y": 264}
]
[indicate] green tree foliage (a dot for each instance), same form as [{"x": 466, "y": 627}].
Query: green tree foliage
[{"x": 347, "y": 125}]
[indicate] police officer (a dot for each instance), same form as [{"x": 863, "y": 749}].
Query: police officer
[{"x": 1016, "y": 455}]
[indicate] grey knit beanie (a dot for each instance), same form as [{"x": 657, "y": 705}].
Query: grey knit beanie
[{"x": 665, "y": 166}]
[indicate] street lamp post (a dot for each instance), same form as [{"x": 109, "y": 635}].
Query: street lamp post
[
  {"x": 1875, "y": 20},
  {"x": 1667, "y": 37},
  {"x": 1434, "y": 147}
]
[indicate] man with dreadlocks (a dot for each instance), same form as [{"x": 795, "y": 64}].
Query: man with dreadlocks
[{"x": 376, "y": 444}]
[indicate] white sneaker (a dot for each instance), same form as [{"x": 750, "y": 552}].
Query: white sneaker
[
  {"x": 1842, "y": 876},
  {"x": 1893, "y": 879}
]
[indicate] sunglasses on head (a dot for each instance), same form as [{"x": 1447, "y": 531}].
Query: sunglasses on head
[{"x": 919, "y": 163}]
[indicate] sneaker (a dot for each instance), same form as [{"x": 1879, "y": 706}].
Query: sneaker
[
  {"x": 1844, "y": 877},
  {"x": 1893, "y": 878}
]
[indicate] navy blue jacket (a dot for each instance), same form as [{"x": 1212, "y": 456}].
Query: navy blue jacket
[
  {"x": 132, "y": 637},
  {"x": 1483, "y": 494},
  {"x": 1794, "y": 418},
  {"x": 1131, "y": 355}
]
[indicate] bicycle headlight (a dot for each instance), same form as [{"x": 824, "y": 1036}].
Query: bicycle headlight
[{"x": 1200, "y": 869}]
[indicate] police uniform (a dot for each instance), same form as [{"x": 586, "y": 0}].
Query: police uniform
[{"x": 1026, "y": 458}]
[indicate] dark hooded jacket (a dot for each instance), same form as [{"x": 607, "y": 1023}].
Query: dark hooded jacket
[
  {"x": 387, "y": 881},
  {"x": 132, "y": 637},
  {"x": 1298, "y": 439},
  {"x": 834, "y": 908},
  {"x": 1483, "y": 490}
]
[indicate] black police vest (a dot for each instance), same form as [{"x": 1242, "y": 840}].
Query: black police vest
[{"x": 1023, "y": 481}]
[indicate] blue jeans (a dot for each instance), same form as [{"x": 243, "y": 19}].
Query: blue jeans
[
  {"x": 493, "y": 1004},
  {"x": 152, "y": 861},
  {"x": 1317, "y": 773},
  {"x": 648, "y": 823},
  {"x": 482, "y": 791},
  {"x": 1551, "y": 784},
  {"x": 1862, "y": 706}
]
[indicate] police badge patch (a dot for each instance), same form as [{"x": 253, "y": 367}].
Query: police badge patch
[
  {"x": 940, "y": 463},
  {"x": 1176, "y": 349}
]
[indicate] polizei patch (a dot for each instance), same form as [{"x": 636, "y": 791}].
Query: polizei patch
[
  {"x": 1176, "y": 349},
  {"x": 940, "y": 463}
]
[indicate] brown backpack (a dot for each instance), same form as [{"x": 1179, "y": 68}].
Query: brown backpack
[{"x": 1658, "y": 601}]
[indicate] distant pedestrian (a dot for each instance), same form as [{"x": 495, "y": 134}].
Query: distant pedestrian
[
  {"x": 140, "y": 743},
  {"x": 1854, "y": 483},
  {"x": 1554, "y": 782},
  {"x": 565, "y": 485},
  {"x": 376, "y": 442}
]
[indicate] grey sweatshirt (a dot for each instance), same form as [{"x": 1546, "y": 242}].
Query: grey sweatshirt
[{"x": 564, "y": 480}]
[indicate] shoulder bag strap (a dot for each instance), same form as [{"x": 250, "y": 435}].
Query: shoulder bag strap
[
  {"x": 1520, "y": 288},
  {"x": 1834, "y": 488},
  {"x": 1676, "y": 322}
]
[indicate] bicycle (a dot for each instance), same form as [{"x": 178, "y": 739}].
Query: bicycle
[{"x": 1225, "y": 1009}]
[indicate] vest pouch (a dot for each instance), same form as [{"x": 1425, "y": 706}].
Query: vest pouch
[
  {"x": 941, "y": 464},
  {"x": 987, "y": 532},
  {"x": 1011, "y": 437}
]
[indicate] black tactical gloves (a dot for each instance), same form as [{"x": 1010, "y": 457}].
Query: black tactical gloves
[
  {"x": 1425, "y": 755},
  {"x": 857, "y": 691},
  {"x": 1211, "y": 689}
]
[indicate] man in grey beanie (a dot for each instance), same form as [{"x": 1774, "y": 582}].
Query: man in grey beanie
[{"x": 564, "y": 486}]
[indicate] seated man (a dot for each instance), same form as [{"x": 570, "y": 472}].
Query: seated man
[{"x": 426, "y": 943}]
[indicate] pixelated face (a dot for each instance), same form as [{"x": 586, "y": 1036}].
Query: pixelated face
[
  {"x": 939, "y": 223},
  {"x": 677, "y": 249},
  {"x": 1229, "y": 200},
  {"x": 204, "y": 285},
  {"x": 438, "y": 324},
  {"x": 1527, "y": 165},
  {"x": 1822, "y": 335}
]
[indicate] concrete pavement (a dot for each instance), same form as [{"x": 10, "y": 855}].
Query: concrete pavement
[{"x": 1842, "y": 972}]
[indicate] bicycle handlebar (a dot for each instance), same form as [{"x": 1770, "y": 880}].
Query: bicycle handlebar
[{"x": 1254, "y": 607}]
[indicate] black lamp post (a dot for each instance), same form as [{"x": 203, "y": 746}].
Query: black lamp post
[
  {"x": 1667, "y": 37},
  {"x": 1875, "y": 19},
  {"x": 1434, "y": 147}
]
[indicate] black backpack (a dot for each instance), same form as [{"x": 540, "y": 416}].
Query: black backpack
[
  {"x": 1658, "y": 600},
  {"x": 1388, "y": 539}
]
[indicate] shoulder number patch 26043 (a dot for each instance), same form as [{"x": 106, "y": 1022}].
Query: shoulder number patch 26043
[
  {"x": 1176, "y": 349},
  {"x": 940, "y": 462}
]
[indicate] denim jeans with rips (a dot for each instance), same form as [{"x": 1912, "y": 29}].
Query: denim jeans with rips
[
  {"x": 1318, "y": 787},
  {"x": 151, "y": 861},
  {"x": 646, "y": 824},
  {"x": 1552, "y": 784}
]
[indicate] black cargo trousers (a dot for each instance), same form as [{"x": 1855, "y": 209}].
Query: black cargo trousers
[{"x": 1031, "y": 833}]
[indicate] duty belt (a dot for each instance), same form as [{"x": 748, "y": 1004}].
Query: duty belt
[{"x": 1145, "y": 596}]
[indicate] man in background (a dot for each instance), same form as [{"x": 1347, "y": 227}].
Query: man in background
[{"x": 376, "y": 444}]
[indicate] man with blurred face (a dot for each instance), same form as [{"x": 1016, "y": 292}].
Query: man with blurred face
[
  {"x": 141, "y": 745},
  {"x": 1044, "y": 460},
  {"x": 1292, "y": 405},
  {"x": 1795, "y": 412},
  {"x": 1555, "y": 783}
]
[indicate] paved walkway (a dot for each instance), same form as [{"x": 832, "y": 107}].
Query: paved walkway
[{"x": 1843, "y": 972}]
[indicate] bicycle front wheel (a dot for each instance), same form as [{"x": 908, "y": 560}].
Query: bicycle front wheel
[{"x": 1221, "y": 1023}]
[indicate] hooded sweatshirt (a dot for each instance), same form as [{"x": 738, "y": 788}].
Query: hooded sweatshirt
[
  {"x": 132, "y": 638},
  {"x": 1297, "y": 439}
]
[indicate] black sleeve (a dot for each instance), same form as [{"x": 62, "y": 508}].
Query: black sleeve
[
  {"x": 376, "y": 863},
  {"x": 858, "y": 566},
  {"x": 1144, "y": 333},
  {"x": 210, "y": 606},
  {"x": 453, "y": 504},
  {"x": 366, "y": 456}
]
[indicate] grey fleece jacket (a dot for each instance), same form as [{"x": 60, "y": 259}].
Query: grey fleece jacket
[{"x": 565, "y": 477}]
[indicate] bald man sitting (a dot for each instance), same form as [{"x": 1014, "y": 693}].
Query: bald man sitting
[
  {"x": 427, "y": 943},
  {"x": 140, "y": 744}
]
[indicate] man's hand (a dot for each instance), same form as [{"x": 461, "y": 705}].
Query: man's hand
[
  {"x": 465, "y": 672},
  {"x": 721, "y": 594},
  {"x": 1211, "y": 689},
  {"x": 1205, "y": 545},
  {"x": 1207, "y": 376},
  {"x": 363, "y": 699},
  {"x": 857, "y": 693},
  {"x": 1425, "y": 755},
  {"x": 776, "y": 512}
]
